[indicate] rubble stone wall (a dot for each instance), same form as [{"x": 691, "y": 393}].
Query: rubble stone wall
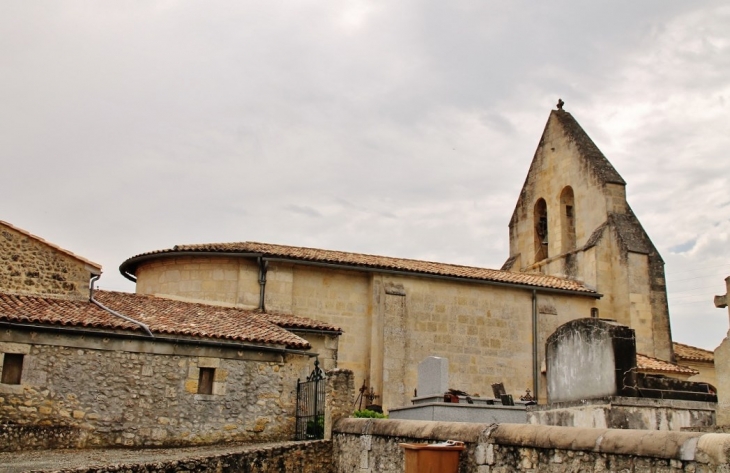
[
  {"x": 372, "y": 445},
  {"x": 19, "y": 437},
  {"x": 300, "y": 457},
  {"x": 30, "y": 266},
  {"x": 129, "y": 393}
]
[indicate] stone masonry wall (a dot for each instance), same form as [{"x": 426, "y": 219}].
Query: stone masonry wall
[
  {"x": 339, "y": 398},
  {"x": 299, "y": 457},
  {"x": 19, "y": 437},
  {"x": 372, "y": 445},
  {"x": 634, "y": 286},
  {"x": 390, "y": 322},
  {"x": 29, "y": 266},
  {"x": 129, "y": 398},
  {"x": 221, "y": 280}
]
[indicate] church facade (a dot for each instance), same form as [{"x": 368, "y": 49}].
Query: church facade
[{"x": 576, "y": 250}]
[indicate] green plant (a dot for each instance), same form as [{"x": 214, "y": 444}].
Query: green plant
[
  {"x": 368, "y": 414},
  {"x": 315, "y": 428}
]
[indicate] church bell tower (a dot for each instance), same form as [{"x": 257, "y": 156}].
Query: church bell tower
[{"x": 572, "y": 220}]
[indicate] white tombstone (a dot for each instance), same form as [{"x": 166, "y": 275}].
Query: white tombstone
[{"x": 433, "y": 376}]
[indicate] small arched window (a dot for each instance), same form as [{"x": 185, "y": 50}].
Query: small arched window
[
  {"x": 541, "y": 230},
  {"x": 567, "y": 220}
]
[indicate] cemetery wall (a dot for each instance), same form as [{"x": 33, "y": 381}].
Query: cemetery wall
[
  {"x": 299, "y": 457},
  {"x": 372, "y": 445}
]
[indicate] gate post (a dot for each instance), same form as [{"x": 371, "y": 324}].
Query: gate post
[{"x": 339, "y": 398}]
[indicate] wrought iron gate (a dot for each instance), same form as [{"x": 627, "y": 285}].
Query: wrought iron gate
[{"x": 310, "y": 405}]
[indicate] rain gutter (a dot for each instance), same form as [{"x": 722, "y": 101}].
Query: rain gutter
[{"x": 263, "y": 268}]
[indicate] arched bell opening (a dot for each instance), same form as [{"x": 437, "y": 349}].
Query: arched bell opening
[
  {"x": 541, "y": 230},
  {"x": 567, "y": 220}
]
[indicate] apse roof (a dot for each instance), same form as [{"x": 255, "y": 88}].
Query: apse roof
[{"x": 361, "y": 260}]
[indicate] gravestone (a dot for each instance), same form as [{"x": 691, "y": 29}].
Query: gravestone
[
  {"x": 498, "y": 390},
  {"x": 590, "y": 358},
  {"x": 433, "y": 376}
]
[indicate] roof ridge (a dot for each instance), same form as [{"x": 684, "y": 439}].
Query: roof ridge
[
  {"x": 693, "y": 347},
  {"x": 303, "y": 253}
]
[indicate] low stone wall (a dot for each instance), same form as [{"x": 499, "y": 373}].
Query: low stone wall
[
  {"x": 300, "y": 457},
  {"x": 16, "y": 437},
  {"x": 371, "y": 445}
]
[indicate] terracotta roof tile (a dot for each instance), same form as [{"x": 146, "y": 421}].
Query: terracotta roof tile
[
  {"x": 370, "y": 261},
  {"x": 163, "y": 316},
  {"x": 294, "y": 322},
  {"x": 649, "y": 363},
  {"x": 56, "y": 247},
  {"x": 47, "y": 310},
  {"x": 687, "y": 352}
]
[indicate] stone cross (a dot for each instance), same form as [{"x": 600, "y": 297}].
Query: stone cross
[
  {"x": 722, "y": 364},
  {"x": 722, "y": 301}
]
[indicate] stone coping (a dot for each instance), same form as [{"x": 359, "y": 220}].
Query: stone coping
[
  {"x": 415, "y": 429},
  {"x": 627, "y": 401},
  {"x": 711, "y": 448}
]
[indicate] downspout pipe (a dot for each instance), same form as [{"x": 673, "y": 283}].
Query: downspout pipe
[
  {"x": 94, "y": 278},
  {"x": 535, "y": 367},
  {"x": 263, "y": 268}
]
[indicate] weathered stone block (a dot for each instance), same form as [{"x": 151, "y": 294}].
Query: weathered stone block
[{"x": 590, "y": 358}]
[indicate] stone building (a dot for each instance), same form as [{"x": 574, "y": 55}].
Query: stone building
[
  {"x": 572, "y": 220},
  {"x": 576, "y": 250},
  {"x": 109, "y": 368},
  {"x": 698, "y": 359}
]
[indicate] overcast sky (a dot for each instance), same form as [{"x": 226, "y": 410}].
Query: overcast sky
[{"x": 395, "y": 128}]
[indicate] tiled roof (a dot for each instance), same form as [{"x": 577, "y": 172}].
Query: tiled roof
[
  {"x": 163, "y": 316},
  {"x": 687, "y": 352},
  {"x": 294, "y": 322},
  {"x": 649, "y": 363},
  {"x": 46, "y": 310},
  {"x": 55, "y": 247},
  {"x": 367, "y": 261}
]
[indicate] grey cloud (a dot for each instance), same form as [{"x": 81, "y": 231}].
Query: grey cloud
[{"x": 401, "y": 128}]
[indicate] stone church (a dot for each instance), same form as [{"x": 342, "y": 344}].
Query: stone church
[{"x": 576, "y": 250}]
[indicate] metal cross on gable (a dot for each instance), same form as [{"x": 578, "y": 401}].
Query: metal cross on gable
[{"x": 722, "y": 301}]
